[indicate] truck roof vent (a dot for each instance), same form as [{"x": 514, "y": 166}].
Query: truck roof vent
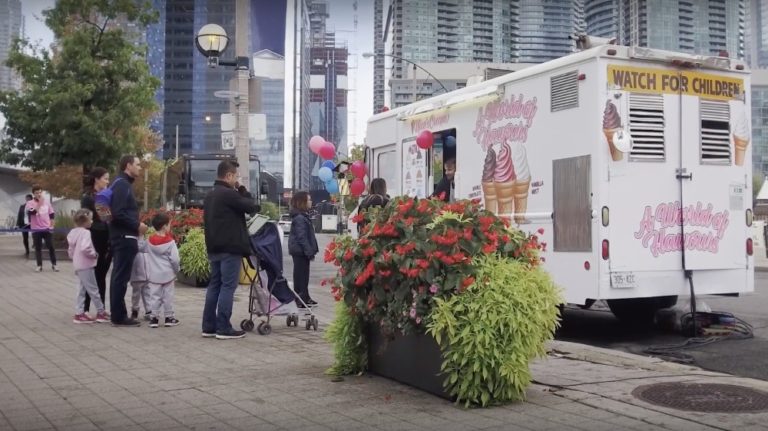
[
  {"x": 564, "y": 91},
  {"x": 715, "y": 140},
  {"x": 646, "y": 125}
]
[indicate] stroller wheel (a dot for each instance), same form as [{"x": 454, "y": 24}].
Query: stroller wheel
[
  {"x": 246, "y": 325},
  {"x": 289, "y": 321},
  {"x": 314, "y": 323},
  {"x": 309, "y": 324},
  {"x": 264, "y": 328}
]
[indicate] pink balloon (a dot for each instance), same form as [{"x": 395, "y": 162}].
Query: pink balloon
[
  {"x": 328, "y": 151},
  {"x": 316, "y": 143},
  {"x": 357, "y": 187},
  {"x": 358, "y": 169},
  {"x": 425, "y": 140}
]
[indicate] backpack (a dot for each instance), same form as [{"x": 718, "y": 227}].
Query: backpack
[{"x": 103, "y": 202}]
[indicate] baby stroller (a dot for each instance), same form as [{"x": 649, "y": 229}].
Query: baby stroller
[{"x": 276, "y": 297}]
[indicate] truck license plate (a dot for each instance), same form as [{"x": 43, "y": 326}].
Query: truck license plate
[{"x": 623, "y": 280}]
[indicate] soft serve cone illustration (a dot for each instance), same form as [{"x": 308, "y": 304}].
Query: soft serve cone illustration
[
  {"x": 522, "y": 183},
  {"x": 504, "y": 178},
  {"x": 740, "y": 138},
  {"x": 489, "y": 187},
  {"x": 611, "y": 125}
]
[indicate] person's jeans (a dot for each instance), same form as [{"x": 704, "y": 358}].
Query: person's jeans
[
  {"x": 301, "y": 276},
  {"x": 124, "y": 251},
  {"x": 100, "y": 239},
  {"x": 37, "y": 239},
  {"x": 225, "y": 272}
]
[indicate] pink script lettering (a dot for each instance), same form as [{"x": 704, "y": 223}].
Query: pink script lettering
[
  {"x": 516, "y": 114},
  {"x": 653, "y": 229}
]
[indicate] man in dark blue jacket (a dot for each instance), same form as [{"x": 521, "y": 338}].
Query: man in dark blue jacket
[
  {"x": 227, "y": 241},
  {"x": 124, "y": 232}
]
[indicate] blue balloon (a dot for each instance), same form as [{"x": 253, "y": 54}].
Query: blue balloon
[
  {"x": 450, "y": 141},
  {"x": 328, "y": 164},
  {"x": 324, "y": 174},
  {"x": 332, "y": 186}
]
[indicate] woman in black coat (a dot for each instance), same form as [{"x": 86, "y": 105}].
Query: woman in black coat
[
  {"x": 302, "y": 245},
  {"x": 95, "y": 181}
]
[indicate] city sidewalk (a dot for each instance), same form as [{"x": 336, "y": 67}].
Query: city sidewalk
[{"x": 58, "y": 375}]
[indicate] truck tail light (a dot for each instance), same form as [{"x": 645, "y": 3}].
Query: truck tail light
[
  {"x": 750, "y": 217},
  {"x": 606, "y": 213},
  {"x": 606, "y": 253},
  {"x": 750, "y": 247}
]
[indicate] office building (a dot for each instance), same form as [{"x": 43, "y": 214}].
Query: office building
[
  {"x": 546, "y": 28},
  {"x": 702, "y": 27},
  {"x": 11, "y": 22},
  {"x": 756, "y": 34}
]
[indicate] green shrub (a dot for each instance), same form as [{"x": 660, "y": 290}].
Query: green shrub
[
  {"x": 193, "y": 255},
  {"x": 63, "y": 222},
  {"x": 349, "y": 345},
  {"x": 270, "y": 210},
  {"x": 490, "y": 333}
]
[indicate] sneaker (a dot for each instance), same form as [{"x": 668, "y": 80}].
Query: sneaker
[
  {"x": 147, "y": 316},
  {"x": 208, "y": 334},
  {"x": 102, "y": 317},
  {"x": 127, "y": 322},
  {"x": 230, "y": 335},
  {"x": 39, "y": 269},
  {"x": 82, "y": 318},
  {"x": 53, "y": 267},
  {"x": 311, "y": 302},
  {"x": 134, "y": 314},
  {"x": 154, "y": 323},
  {"x": 171, "y": 321}
]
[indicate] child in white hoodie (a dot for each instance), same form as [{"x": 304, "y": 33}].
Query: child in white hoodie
[
  {"x": 162, "y": 263},
  {"x": 84, "y": 256}
]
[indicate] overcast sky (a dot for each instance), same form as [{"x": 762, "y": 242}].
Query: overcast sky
[{"x": 341, "y": 21}]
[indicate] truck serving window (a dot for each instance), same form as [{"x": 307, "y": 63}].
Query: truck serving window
[{"x": 646, "y": 125}]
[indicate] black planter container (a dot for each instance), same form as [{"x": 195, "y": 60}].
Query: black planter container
[
  {"x": 191, "y": 281},
  {"x": 410, "y": 359}
]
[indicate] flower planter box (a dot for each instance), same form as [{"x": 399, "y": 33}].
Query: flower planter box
[
  {"x": 412, "y": 359},
  {"x": 190, "y": 281}
]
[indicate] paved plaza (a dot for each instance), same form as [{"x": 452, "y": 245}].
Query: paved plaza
[{"x": 58, "y": 375}]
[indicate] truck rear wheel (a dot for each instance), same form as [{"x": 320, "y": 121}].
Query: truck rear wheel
[{"x": 639, "y": 311}]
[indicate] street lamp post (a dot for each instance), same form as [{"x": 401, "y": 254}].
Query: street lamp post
[
  {"x": 212, "y": 41},
  {"x": 415, "y": 66}
]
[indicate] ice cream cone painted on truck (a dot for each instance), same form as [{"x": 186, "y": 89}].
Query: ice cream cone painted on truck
[
  {"x": 489, "y": 187},
  {"x": 522, "y": 182},
  {"x": 611, "y": 125},
  {"x": 504, "y": 178},
  {"x": 740, "y": 139}
]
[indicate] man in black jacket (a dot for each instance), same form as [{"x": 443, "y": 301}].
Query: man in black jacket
[
  {"x": 124, "y": 232},
  {"x": 23, "y": 224},
  {"x": 445, "y": 189},
  {"x": 227, "y": 241}
]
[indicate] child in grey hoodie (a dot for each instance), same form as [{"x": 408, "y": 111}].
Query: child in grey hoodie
[{"x": 162, "y": 264}]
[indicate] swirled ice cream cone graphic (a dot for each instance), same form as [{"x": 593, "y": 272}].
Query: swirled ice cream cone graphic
[
  {"x": 504, "y": 180},
  {"x": 612, "y": 124},
  {"x": 489, "y": 187},
  {"x": 522, "y": 182},
  {"x": 740, "y": 138}
]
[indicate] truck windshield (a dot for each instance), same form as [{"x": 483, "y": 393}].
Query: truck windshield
[{"x": 203, "y": 172}]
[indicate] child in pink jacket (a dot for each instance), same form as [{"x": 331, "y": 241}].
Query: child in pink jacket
[{"x": 84, "y": 256}]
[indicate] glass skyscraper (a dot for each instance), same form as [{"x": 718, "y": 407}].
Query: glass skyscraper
[
  {"x": 693, "y": 26},
  {"x": 546, "y": 27},
  {"x": 10, "y": 28}
]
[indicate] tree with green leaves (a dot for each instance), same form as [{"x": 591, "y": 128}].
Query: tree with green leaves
[{"x": 88, "y": 99}]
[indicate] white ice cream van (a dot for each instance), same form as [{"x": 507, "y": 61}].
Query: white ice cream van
[{"x": 635, "y": 162}]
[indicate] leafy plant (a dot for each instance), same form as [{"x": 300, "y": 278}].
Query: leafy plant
[
  {"x": 63, "y": 222},
  {"x": 349, "y": 346},
  {"x": 457, "y": 271},
  {"x": 413, "y": 251},
  {"x": 193, "y": 255},
  {"x": 270, "y": 210},
  {"x": 490, "y": 333}
]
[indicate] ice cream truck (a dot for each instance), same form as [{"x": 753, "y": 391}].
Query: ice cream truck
[{"x": 635, "y": 162}]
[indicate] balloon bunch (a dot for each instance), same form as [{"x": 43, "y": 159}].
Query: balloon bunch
[{"x": 327, "y": 151}]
